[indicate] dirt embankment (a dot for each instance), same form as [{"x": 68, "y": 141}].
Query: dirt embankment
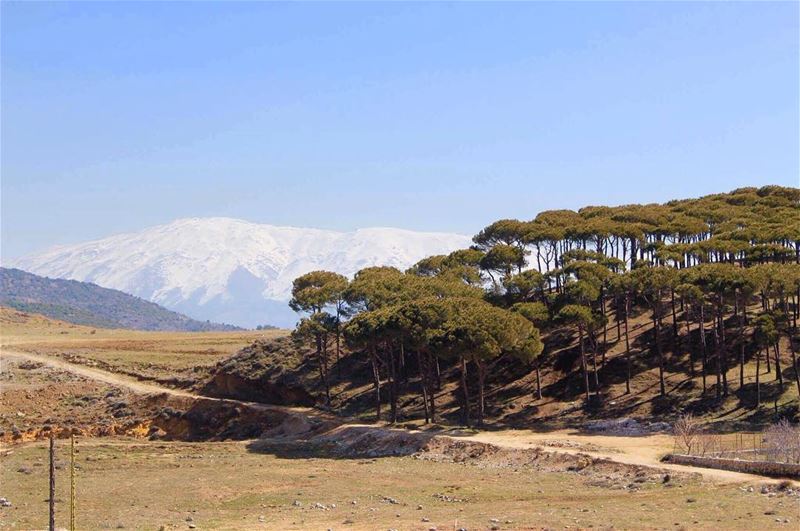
[
  {"x": 271, "y": 372},
  {"x": 42, "y": 395}
]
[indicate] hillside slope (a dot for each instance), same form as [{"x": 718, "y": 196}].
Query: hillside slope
[
  {"x": 231, "y": 270},
  {"x": 280, "y": 371},
  {"x": 87, "y": 304}
]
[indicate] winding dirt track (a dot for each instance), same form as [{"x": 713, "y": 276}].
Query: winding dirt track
[
  {"x": 135, "y": 385},
  {"x": 641, "y": 451},
  {"x": 97, "y": 374}
]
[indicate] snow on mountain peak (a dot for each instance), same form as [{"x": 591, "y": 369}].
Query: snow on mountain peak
[{"x": 231, "y": 270}]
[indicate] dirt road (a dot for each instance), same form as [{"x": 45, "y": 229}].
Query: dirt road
[
  {"x": 96, "y": 374},
  {"x": 135, "y": 385},
  {"x": 640, "y": 451}
]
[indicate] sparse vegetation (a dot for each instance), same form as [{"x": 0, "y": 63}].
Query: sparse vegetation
[
  {"x": 687, "y": 431},
  {"x": 782, "y": 442}
]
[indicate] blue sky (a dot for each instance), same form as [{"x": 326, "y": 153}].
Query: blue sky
[{"x": 117, "y": 116}]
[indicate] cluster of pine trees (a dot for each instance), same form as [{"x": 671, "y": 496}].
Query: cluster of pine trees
[{"x": 718, "y": 278}]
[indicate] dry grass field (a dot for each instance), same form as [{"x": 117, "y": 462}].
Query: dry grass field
[
  {"x": 179, "y": 355},
  {"x": 127, "y": 484}
]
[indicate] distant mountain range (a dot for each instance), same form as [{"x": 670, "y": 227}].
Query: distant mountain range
[
  {"x": 88, "y": 304},
  {"x": 229, "y": 270}
]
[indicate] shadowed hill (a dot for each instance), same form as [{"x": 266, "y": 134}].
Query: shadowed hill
[{"x": 88, "y": 304}]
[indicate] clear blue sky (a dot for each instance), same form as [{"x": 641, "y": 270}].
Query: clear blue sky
[{"x": 440, "y": 116}]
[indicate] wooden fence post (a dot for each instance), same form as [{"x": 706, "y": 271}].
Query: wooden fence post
[
  {"x": 52, "y": 483},
  {"x": 72, "y": 483}
]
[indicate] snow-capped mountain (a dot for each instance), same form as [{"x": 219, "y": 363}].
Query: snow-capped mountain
[{"x": 229, "y": 270}]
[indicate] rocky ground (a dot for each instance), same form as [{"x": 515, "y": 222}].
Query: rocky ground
[{"x": 37, "y": 398}]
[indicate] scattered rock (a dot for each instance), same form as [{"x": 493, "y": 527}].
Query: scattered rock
[
  {"x": 156, "y": 433},
  {"x": 4, "y": 502}
]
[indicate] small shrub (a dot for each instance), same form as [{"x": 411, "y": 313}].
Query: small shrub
[
  {"x": 687, "y": 431},
  {"x": 782, "y": 442}
]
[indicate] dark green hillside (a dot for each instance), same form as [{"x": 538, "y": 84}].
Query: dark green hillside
[{"x": 88, "y": 304}]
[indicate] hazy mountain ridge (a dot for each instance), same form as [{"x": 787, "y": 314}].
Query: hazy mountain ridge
[
  {"x": 88, "y": 304},
  {"x": 231, "y": 270}
]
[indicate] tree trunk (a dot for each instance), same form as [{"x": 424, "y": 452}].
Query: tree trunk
[
  {"x": 465, "y": 412},
  {"x": 758, "y": 376},
  {"x": 323, "y": 373},
  {"x": 584, "y": 368},
  {"x": 674, "y": 318},
  {"x": 689, "y": 347},
  {"x": 376, "y": 375},
  {"x": 741, "y": 346},
  {"x": 538, "y": 380},
  {"x": 657, "y": 328},
  {"x": 481, "y": 381},
  {"x": 423, "y": 382},
  {"x": 605, "y": 327},
  {"x": 723, "y": 352},
  {"x": 702, "y": 326},
  {"x": 392, "y": 385},
  {"x": 593, "y": 341},
  {"x": 627, "y": 350},
  {"x": 778, "y": 374},
  {"x": 429, "y": 369},
  {"x": 717, "y": 356},
  {"x": 338, "y": 342},
  {"x": 794, "y": 361}
]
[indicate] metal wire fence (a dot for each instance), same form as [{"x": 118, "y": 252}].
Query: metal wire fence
[{"x": 778, "y": 444}]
